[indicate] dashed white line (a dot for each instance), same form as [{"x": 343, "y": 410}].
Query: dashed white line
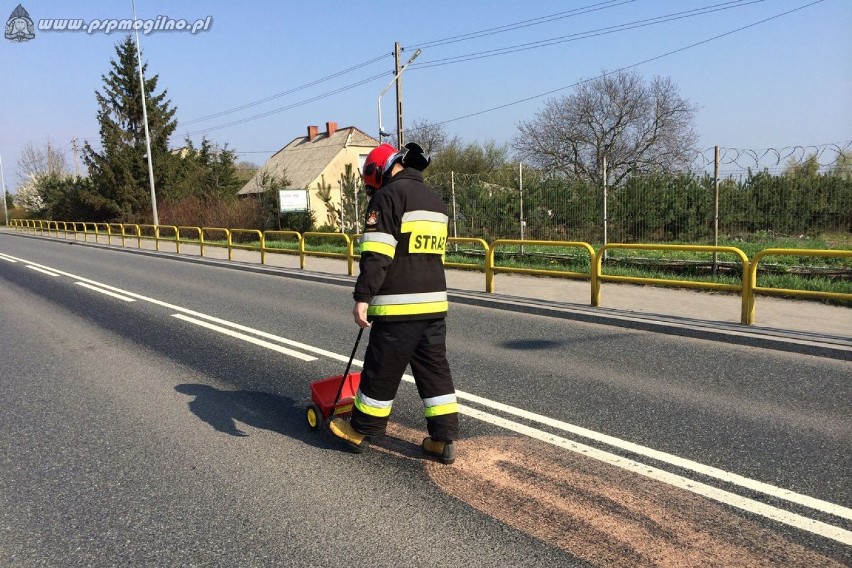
[
  {"x": 42, "y": 270},
  {"x": 107, "y": 292},
  {"x": 248, "y": 338}
]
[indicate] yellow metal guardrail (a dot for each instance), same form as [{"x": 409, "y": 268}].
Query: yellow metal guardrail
[
  {"x": 81, "y": 230},
  {"x": 143, "y": 234},
  {"x": 296, "y": 234},
  {"x": 101, "y": 227},
  {"x": 204, "y": 241},
  {"x": 747, "y": 288},
  {"x": 181, "y": 230},
  {"x": 137, "y": 234},
  {"x": 466, "y": 265},
  {"x": 349, "y": 257},
  {"x": 121, "y": 232},
  {"x": 743, "y": 288},
  {"x": 251, "y": 247},
  {"x": 755, "y": 289},
  {"x": 491, "y": 269},
  {"x": 168, "y": 233}
]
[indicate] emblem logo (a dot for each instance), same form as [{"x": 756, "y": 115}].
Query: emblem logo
[{"x": 19, "y": 26}]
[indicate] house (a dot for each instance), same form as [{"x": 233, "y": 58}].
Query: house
[{"x": 319, "y": 157}]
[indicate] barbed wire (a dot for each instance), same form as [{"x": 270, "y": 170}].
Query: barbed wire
[
  {"x": 774, "y": 159},
  {"x": 732, "y": 162}
]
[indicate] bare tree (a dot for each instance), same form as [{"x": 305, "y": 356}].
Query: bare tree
[
  {"x": 431, "y": 136},
  {"x": 36, "y": 162},
  {"x": 638, "y": 126},
  {"x": 245, "y": 171}
]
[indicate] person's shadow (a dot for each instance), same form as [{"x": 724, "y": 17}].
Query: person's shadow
[{"x": 223, "y": 409}]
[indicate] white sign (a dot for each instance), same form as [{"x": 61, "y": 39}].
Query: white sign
[{"x": 291, "y": 200}]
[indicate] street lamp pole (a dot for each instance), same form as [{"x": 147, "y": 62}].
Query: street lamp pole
[
  {"x": 385, "y": 90},
  {"x": 145, "y": 120}
]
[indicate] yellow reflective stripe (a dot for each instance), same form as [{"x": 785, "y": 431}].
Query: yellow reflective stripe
[
  {"x": 379, "y": 248},
  {"x": 408, "y": 309},
  {"x": 424, "y": 227},
  {"x": 441, "y": 410},
  {"x": 408, "y": 304},
  {"x": 381, "y": 243},
  {"x": 382, "y": 411}
]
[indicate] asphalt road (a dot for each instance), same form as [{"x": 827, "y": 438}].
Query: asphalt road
[{"x": 152, "y": 413}]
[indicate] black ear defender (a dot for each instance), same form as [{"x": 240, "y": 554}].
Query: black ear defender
[
  {"x": 414, "y": 157},
  {"x": 372, "y": 171}
]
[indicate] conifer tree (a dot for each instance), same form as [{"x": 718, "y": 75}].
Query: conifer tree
[{"x": 119, "y": 169}]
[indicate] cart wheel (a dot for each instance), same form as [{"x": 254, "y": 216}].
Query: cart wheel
[{"x": 314, "y": 416}]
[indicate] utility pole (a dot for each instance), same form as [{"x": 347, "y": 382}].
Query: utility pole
[
  {"x": 455, "y": 216},
  {"x": 382, "y": 133},
  {"x": 76, "y": 163},
  {"x": 716, "y": 208},
  {"x": 398, "y": 75},
  {"x": 521, "y": 196},
  {"x": 3, "y": 182},
  {"x": 604, "y": 207}
]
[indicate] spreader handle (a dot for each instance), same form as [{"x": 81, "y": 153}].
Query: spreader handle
[{"x": 348, "y": 366}]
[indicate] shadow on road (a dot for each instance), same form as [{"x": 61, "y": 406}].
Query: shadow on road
[
  {"x": 223, "y": 409},
  {"x": 226, "y": 410}
]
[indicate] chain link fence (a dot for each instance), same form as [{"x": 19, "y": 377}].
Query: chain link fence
[{"x": 518, "y": 203}]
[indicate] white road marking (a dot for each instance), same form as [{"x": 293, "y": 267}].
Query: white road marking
[
  {"x": 247, "y": 338},
  {"x": 754, "y": 485},
  {"x": 792, "y": 519},
  {"x": 42, "y": 270},
  {"x": 8, "y": 258},
  {"x": 107, "y": 292},
  {"x": 720, "y": 495}
]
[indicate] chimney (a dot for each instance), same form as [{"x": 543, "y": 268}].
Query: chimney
[
  {"x": 330, "y": 128},
  {"x": 312, "y": 132}
]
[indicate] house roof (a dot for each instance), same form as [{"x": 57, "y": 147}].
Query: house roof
[{"x": 305, "y": 158}]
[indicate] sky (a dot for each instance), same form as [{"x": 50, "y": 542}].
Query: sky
[{"x": 485, "y": 66}]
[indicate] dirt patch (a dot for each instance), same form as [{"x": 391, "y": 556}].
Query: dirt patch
[{"x": 598, "y": 512}]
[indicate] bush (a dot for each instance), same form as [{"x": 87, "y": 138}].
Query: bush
[{"x": 224, "y": 212}]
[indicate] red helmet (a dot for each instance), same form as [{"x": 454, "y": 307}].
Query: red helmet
[{"x": 379, "y": 161}]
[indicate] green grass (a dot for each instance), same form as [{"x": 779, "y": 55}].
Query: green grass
[
  {"x": 822, "y": 274},
  {"x": 819, "y": 274}
]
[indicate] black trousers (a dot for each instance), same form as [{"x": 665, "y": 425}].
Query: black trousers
[{"x": 393, "y": 346}]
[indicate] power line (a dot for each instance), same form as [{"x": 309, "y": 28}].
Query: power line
[
  {"x": 288, "y": 107},
  {"x": 284, "y": 93},
  {"x": 589, "y": 34},
  {"x": 639, "y": 23},
  {"x": 690, "y": 46},
  {"x": 522, "y": 24},
  {"x": 463, "y": 37}
]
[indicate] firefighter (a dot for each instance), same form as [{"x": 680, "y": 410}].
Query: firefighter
[{"x": 401, "y": 295}]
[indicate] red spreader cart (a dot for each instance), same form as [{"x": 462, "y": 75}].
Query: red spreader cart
[{"x": 333, "y": 396}]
